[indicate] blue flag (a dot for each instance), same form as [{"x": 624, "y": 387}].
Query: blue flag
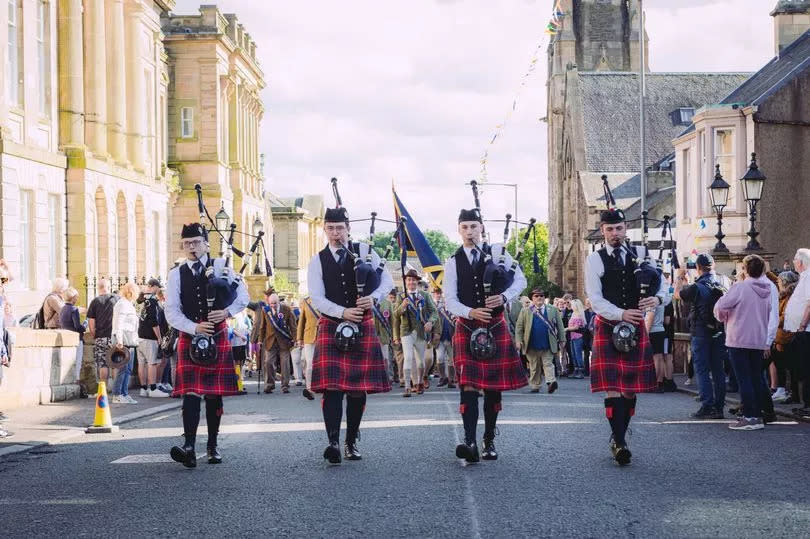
[{"x": 413, "y": 243}]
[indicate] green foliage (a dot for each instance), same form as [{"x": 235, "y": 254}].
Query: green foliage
[
  {"x": 437, "y": 240},
  {"x": 535, "y": 280},
  {"x": 282, "y": 284}
]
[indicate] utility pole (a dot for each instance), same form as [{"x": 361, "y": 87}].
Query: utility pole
[{"x": 642, "y": 90}]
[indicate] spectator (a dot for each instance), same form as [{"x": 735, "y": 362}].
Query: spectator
[
  {"x": 168, "y": 359},
  {"x": 669, "y": 346},
  {"x": 148, "y": 338},
  {"x": 797, "y": 318},
  {"x": 99, "y": 318},
  {"x": 587, "y": 339},
  {"x": 52, "y": 306},
  {"x": 708, "y": 340},
  {"x": 239, "y": 328},
  {"x": 746, "y": 310},
  {"x": 781, "y": 366},
  {"x": 69, "y": 319},
  {"x": 541, "y": 334},
  {"x": 575, "y": 324},
  {"x": 7, "y": 320},
  {"x": 276, "y": 331},
  {"x": 125, "y": 333}
]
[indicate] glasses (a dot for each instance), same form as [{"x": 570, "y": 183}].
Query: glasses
[
  {"x": 192, "y": 243},
  {"x": 3, "y": 280}
]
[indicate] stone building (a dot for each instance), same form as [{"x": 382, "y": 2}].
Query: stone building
[
  {"x": 297, "y": 237},
  {"x": 214, "y": 116},
  {"x": 32, "y": 169},
  {"x": 768, "y": 114},
  {"x": 593, "y": 125}
]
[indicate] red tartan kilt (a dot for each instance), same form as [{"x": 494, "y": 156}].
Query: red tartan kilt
[
  {"x": 217, "y": 379},
  {"x": 504, "y": 372},
  {"x": 611, "y": 370},
  {"x": 362, "y": 369}
]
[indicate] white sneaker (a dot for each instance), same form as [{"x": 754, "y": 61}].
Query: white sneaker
[
  {"x": 159, "y": 393},
  {"x": 144, "y": 392},
  {"x": 779, "y": 395},
  {"x": 118, "y": 399},
  {"x": 129, "y": 400},
  {"x": 688, "y": 382},
  {"x": 168, "y": 387}
]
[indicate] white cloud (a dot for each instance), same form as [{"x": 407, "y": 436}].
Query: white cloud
[{"x": 369, "y": 91}]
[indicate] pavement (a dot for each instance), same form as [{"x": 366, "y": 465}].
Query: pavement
[{"x": 554, "y": 477}]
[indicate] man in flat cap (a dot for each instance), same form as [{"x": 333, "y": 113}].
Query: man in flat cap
[{"x": 413, "y": 321}]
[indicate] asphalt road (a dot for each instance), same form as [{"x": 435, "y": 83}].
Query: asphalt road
[{"x": 554, "y": 476}]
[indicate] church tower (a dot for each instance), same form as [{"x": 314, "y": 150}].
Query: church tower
[{"x": 596, "y": 35}]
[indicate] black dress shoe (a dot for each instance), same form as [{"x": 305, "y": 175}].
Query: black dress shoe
[
  {"x": 534, "y": 390},
  {"x": 214, "y": 456},
  {"x": 468, "y": 452},
  {"x": 489, "y": 452},
  {"x": 184, "y": 455},
  {"x": 285, "y": 389},
  {"x": 332, "y": 453},
  {"x": 621, "y": 453},
  {"x": 552, "y": 387},
  {"x": 443, "y": 382},
  {"x": 308, "y": 394},
  {"x": 769, "y": 418},
  {"x": 350, "y": 451},
  {"x": 451, "y": 385}
]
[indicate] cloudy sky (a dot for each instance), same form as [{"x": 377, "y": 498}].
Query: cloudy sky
[{"x": 411, "y": 91}]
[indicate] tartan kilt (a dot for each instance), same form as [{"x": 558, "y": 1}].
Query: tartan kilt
[
  {"x": 362, "y": 369},
  {"x": 503, "y": 372},
  {"x": 217, "y": 379},
  {"x": 611, "y": 370}
]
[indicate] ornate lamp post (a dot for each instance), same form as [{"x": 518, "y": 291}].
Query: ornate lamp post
[
  {"x": 223, "y": 221},
  {"x": 752, "y": 183},
  {"x": 257, "y": 227},
  {"x": 718, "y": 193}
]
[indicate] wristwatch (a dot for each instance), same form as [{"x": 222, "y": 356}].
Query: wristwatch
[{"x": 504, "y": 298}]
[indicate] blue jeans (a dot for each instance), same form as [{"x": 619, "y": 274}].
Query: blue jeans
[
  {"x": 121, "y": 382},
  {"x": 708, "y": 354},
  {"x": 747, "y": 365},
  {"x": 576, "y": 348}
]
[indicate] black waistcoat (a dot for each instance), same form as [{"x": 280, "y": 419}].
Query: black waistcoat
[
  {"x": 470, "y": 285},
  {"x": 193, "y": 292},
  {"x": 338, "y": 280},
  {"x": 619, "y": 281}
]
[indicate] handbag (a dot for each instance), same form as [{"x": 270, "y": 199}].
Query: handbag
[{"x": 167, "y": 341}]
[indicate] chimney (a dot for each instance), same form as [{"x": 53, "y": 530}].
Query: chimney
[{"x": 791, "y": 19}]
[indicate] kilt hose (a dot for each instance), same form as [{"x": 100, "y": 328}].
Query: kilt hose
[
  {"x": 362, "y": 369},
  {"x": 503, "y": 372},
  {"x": 611, "y": 370},
  {"x": 217, "y": 379}
]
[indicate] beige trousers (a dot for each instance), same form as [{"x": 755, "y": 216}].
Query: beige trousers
[{"x": 538, "y": 359}]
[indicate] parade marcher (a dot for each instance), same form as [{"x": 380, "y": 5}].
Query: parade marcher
[
  {"x": 612, "y": 288},
  {"x": 306, "y": 333},
  {"x": 444, "y": 342},
  {"x": 396, "y": 348},
  {"x": 385, "y": 333},
  {"x": 276, "y": 333},
  {"x": 190, "y": 289},
  {"x": 414, "y": 318},
  {"x": 539, "y": 333},
  {"x": 466, "y": 298},
  {"x": 351, "y": 362}
]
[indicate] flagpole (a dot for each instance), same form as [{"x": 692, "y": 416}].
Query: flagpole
[{"x": 642, "y": 88}]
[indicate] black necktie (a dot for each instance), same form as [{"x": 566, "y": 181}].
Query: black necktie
[
  {"x": 617, "y": 256},
  {"x": 341, "y": 256},
  {"x": 197, "y": 268},
  {"x": 475, "y": 257}
]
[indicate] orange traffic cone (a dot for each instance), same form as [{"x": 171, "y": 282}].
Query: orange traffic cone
[{"x": 103, "y": 420}]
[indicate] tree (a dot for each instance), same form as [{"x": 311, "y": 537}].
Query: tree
[
  {"x": 438, "y": 241},
  {"x": 535, "y": 279}
]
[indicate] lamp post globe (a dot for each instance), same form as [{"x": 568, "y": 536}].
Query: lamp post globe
[
  {"x": 718, "y": 194},
  {"x": 753, "y": 183}
]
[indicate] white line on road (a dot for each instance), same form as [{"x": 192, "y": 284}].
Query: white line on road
[
  {"x": 143, "y": 459},
  {"x": 469, "y": 498}
]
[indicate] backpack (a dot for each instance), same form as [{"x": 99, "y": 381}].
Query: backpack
[{"x": 706, "y": 313}]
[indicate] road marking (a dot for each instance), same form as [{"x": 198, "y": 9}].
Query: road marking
[
  {"x": 56, "y": 501},
  {"x": 469, "y": 498},
  {"x": 160, "y": 417},
  {"x": 143, "y": 459}
]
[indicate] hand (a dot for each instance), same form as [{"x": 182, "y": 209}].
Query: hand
[
  {"x": 119, "y": 346},
  {"x": 366, "y": 302},
  {"x": 217, "y": 316},
  {"x": 205, "y": 328},
  {"x": 518, "y": 345},
  {"x": 780, "y": 348},
  {"x": 4, "y": 361},
  {"x": 633, "y": 316},
  {"x": 396, "y": 341},
  {"x": 648, "y": 303},
  {"x": 428, "y": 326},
  {"x": 353, "y": 314},
  {"x": 299, "y": 343},
  {"x": 494, "y": 301},
  {"x": 766, "y": 353},
  {"x": 482, "y": 314}
]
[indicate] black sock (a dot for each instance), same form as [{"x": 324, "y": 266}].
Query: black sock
[
  {"x": 213, "y": 416},
  {"x": 615, "y": 412},
  {"x": 143, "y": 387},
  {"x": 629, "y": 410},
  {"x": 354, "y": 413},
  {"x": 492, "y": 405},
  {"x": 332, "y": 414},
  {"x": 152, "y": 387},
  {"x": 469, "y": 414},
  {"x": 191, "y": 417}
]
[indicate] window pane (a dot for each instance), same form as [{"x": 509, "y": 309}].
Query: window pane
[
  {"x": 54, "y": 239},
  {"x": 26, "y": 254}
]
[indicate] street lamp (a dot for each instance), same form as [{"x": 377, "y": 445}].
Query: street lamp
[
  {"x": 257, "y": 228},
  {"x": 223, "y": 221},
  {"x": 752, "y": 183},
  {"x": 718, "y": 193}
]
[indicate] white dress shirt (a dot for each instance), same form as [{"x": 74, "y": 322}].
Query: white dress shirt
[
  {"x": 794, "y": 310},
  {"x": 317, "y": 290},
  {"x": 174, "y": 310},
  {"x": 595, "y": 270},
  {"x": 450, "y": 285}
]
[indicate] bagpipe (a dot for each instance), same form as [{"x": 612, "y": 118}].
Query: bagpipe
[
  {"x": 221, "y": 290},
  {"x": 367, "y": 276}
]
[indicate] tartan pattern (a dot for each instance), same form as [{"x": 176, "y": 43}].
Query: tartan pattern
[
  {"x": 504, "y": 372},
  {"x": 217, "y": 379},
  {"x": 362, "y": 369},
  {"x": 611, "y": 370}
]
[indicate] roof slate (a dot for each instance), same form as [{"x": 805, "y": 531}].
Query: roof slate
[{"x": 611, "y": 113}]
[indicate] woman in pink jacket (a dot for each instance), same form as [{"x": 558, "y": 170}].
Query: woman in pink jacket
[{"x": 745, "y": 309}]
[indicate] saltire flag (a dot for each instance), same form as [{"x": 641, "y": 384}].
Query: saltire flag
[{"x": 413, "y": 243}]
